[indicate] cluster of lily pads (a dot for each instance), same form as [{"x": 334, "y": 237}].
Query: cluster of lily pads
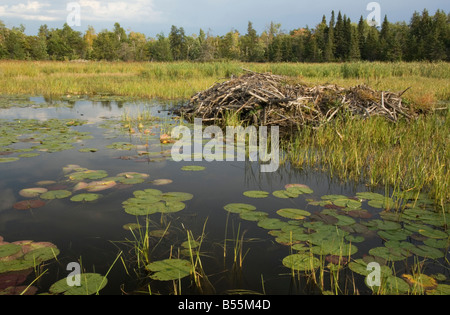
[
  {"x": 28, "y": 138},
  {"x": 333, "y": 234},
  {"x": 81, "y": 185},
  {"x": 151, "y": 201},
  {"x": 18, "y": 260}
]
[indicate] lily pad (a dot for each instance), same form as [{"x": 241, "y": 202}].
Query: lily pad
[
  {"x": 427, "y": 251},
  {"x": 85, "y": 197},
  {"x": 88, "y": 174},
  {"x": 90, "y": 283},
  {"x": 433, "y": 233},
  {"x": 169, "y": 269},
  {"x": 298, "y": 189},
  {"x": 284, "y": 194},
  {"x": 301, "y": 262},
  {"x": 295, "y": 214},
  {"x": 9, "y": 250},
  {"x": 8, "y": 160},
  {"x": 193, "y": 168},
  {"x": 56, "y": 194},
  {"x": 176, "y": 196},
  {"x": 253, "y": 215},
  {"x": 272, "y": 224},
  {"x": 100, "y": 186},
  {"x": 29, "y": 204},
  {"x": 239, "y": 207},
  {"x": 257, "y": 194},
  {"x": 162, "y": 182}
]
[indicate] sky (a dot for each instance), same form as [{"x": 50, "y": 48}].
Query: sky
[{"x": 218, "y": 17}]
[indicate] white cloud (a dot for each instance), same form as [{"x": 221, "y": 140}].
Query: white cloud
[
  {"x": 91, "y": 10},
  {"x": 117, "y": 10}
]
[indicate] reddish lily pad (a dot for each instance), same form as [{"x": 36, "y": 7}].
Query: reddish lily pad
[{"x": 29, "y": 204}]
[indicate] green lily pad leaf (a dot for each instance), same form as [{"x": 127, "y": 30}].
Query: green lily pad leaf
[
  {"x": 347, "y": 203},
  {"x": 389, "y": 254},
  {"x": 148, "y": 193},
  {"x": 359, "y": 266},
  {"x": 42, "y": 254},
  {"x": 56, "y": 194},
  {"x": 427, "y": 251},
  {"x": 386, "y": 225},
  {"x": 437, "y": 243},
  {"x": 91, "y": 283},
  {"x": 239, "y": 207},
  {"x": 28, "y": 155},
  {"x": 333, "y": 197},
  {"x": 432, "y": 233},
  {"x": 169, "y": 269},
  {"x": 390, "y": 285},
  {"x": 85, "y": 197},
  {"x": 132, "y": 226},
  {"x": 344, "y": 220},
  {"x": 284, "y": 194},
  {"x": 32, "y": 192},
  {"x": 9, "y": 250},
  {"x": 295, "y": 214},
  {"x": 88, "y": 174},
  {"x": 370, "y": 196},
  {"x": 441, "y": 289},
  {"x": 88, "y": 150},
  {"x": 253, "y": 215},
  {"x": 399, "y": 235},
  {"x": 272, "y": 224},
  {"x": 170, "y": 206},
  {"x": 8, "y": 160},
  {"x": 301, "y": 262},
  {"x": 190, "y": 244},
  {"x": 354, "y": 239},
  {"x": 298, "y": 189},
  {"x": 193, "y": 168},
  {"x": 15, "y": 265},
  {"x": 176, "y": 196},
  {"x": 256, "y": 194}
]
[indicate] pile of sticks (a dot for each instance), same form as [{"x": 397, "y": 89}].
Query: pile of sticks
[{"x": 265, "y": 99}]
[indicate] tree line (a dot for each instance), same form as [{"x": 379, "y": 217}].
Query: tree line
[{"x": 425, "y": 37}]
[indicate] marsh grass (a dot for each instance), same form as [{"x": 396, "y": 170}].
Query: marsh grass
[
  {"x": 180, "y": 80},
  {"x": 409, "y": 155}
]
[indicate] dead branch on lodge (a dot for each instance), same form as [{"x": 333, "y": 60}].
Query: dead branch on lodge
[{"x": 265, "y": 99}]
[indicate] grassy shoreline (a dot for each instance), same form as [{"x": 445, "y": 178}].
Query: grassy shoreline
[
  {"x": 404, "y": 155},
  {"x": 180, "y": 80}
]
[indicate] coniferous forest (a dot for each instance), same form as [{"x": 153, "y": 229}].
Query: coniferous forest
[{"x": 425, "y": 37}]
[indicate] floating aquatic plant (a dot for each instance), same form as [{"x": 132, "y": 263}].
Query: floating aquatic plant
[
  {"x": 56, "y": 194},
  {"x": 29, "y": 204},
  {"x": 169, "y": 269},
  {"x": 90, "y": 283},
  {"x": 257, "y": 194},
  {"x": 85, "y": 197}
]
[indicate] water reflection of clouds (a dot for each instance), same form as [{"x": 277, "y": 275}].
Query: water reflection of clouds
[{"x": 93, "y": 112}]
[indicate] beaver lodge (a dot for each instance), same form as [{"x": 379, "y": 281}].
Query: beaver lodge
[{"x": 266, "y": 99}]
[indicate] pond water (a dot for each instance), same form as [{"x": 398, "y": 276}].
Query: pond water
[{"x": 240, "y": 251}]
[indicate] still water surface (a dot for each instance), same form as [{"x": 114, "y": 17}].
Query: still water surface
[{"x": 93, "y": 233}]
